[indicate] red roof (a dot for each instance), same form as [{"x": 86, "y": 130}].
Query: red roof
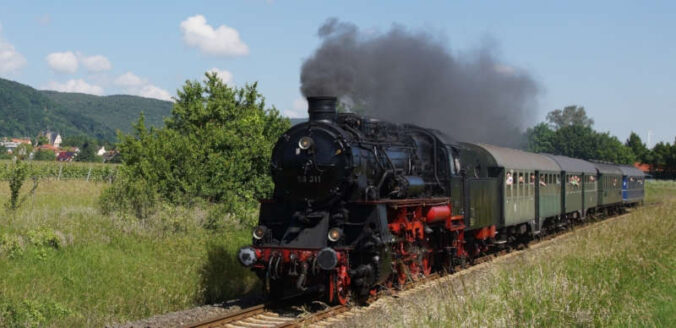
[
  {"x": 646, "y": 168},
  {"x": 48, "y": 147},
  {"x": 23, "y": 141}
]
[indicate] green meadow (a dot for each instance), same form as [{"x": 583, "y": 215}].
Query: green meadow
[{"x": 64, "y": 264}]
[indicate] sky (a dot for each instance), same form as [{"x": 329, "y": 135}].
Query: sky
[{"x": 615, "y": 58}]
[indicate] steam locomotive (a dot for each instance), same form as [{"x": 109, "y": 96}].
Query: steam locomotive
[{"x": 361, "y": 203}]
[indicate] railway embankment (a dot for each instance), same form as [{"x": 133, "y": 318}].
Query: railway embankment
[{"x": 619, "y": 272}]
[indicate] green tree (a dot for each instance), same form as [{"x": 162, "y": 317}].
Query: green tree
[
  {"x": 570, "y": 115},
  {"x": 569, "y": 133},
  {"x": 540, "y": 139},
  {"x": 609, "y": 148},
  {"x": 215, "y": 145},
  {"x": 88, "y": 152},
  {"x": 42, "y": 140},
  {"x": 75, "y": 141},
  {"x": 23, "y": 151},
  {"x": 575, "y": 141},
  {"x": 44, "y": 155},
  {"x": 661, "y": 154},
  {"x": 637, "y": 146}
]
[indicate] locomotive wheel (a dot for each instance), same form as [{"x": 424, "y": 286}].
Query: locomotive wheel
[
  {"x": 402, "y": 274},
  {"x": 426, "y": 264},
  {"x": 342, "y": 289},
  {"x": 415, "y": 269}
]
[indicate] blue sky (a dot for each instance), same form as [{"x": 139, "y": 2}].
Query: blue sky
[{"x": 616, "y": 58}]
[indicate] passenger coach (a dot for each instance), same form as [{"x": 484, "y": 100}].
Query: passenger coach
[
  {"x": 579, "y": 186},
  {"x": 632, "y": 185}
]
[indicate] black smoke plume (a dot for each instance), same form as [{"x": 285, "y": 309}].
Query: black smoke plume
[{"x": 412, "y": 77}]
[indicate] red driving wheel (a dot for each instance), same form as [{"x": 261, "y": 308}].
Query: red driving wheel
[
  {"x": 426, "y": 263},
  {"x": 342, "y": 286}
]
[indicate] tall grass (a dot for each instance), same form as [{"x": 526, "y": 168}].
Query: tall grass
[
  {"x": 619, "y": 273},
  {"x": 64, "y": 264}
]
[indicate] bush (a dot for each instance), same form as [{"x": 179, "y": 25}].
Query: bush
[
  {"x": 17, "y": 174},
  {"x": 44, "y": 155},
  {"x": 215, "y": 146}
]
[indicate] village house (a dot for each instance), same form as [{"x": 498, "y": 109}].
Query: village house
[
  {"x": 54, "y": 138},
  {"x": 13, "y": 143}
]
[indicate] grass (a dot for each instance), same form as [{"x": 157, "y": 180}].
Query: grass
[
  {"x": 64, "y": 264},
  {"x": 619, "y": 273}
]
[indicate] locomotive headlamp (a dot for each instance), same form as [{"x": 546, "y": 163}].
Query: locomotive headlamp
[
  {"x": 259, "y": 232},
  {"x": 247, "y": 256},
  {"x": 305, "y": 143},
  {"x": 335, "y": 234}
]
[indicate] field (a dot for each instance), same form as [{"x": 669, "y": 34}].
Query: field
[
  {"x": 618, "y": 273},
  {"x": 64, "y": 170},
  {"x": 64, "y": 264}
]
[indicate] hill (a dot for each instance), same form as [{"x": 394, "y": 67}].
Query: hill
[
  {"x": 117, "y": 112},
  {"x": 25, "y": 111}
]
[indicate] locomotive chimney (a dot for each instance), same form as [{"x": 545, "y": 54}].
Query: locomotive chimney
[{"x": 321, "y": 108}]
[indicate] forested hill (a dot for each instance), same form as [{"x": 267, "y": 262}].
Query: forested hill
[
  {"x": 117, "y": 112},
  {"x": 25, "y": 111}
]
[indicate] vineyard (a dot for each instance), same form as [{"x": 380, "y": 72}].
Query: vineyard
[{"x": 65, "y": 171}]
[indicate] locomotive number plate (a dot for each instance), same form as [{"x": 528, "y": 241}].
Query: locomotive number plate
[{"x": 310, "y": 179}]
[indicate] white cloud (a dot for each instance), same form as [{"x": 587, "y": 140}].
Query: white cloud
[
  {"x": 10, "y": 59},
  {"x": 95, "y": 63},
  {"x": 220, "y": 41},
  {"x": 223, "y": 75},
  {"x": 135, "y": 85},
  {"x": 64, "y": 62},
  {"x": 129, "y": 79},
  {"x": 151, "y": 91},
  {"x": 298, "y": 109},
  {"x": 78, "y": 85},
  {"x": 68, "y": 62}
]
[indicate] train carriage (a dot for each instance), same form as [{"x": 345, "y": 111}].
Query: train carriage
[
  {"x": 525, "y": 195},
  {"x": 609, "y": 185},
  {"x": 579, "y": 186},
  {"x": 632, "y": 185}
]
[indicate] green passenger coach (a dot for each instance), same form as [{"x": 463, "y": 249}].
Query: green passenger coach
[
  {"x": 527, "y": 184},
  {"x": 609, "y": 184},
  {"x": 579, "y": 186}
]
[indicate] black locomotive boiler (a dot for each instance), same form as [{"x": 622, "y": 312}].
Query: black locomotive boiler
[{"x": 361, "y": 203}]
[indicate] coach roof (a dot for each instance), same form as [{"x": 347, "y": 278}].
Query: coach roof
[
  {"x": 570, "y": 164},
  {"x": 518, "y": 159},
  {"x": 607, "y": 168},
  {"x": 631, "y": 171}
]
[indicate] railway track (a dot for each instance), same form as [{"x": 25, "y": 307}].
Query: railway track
[{"x": 274, "y": 316}]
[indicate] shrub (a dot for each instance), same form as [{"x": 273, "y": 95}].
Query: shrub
[
  {"x": 215, "y": 146},
  {"x": 17, "y": 174},
  {"x": 44, "y": 155}
]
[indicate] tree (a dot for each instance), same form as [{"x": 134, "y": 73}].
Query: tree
[
  {"x": 540, "y": 139},
  {"x": 88, "y": 152},
  {"x": 638, "y": 147},
  {"x": 570, "y": 115},
  {"x": 23, "y": 150},
  {"x": 609, "y": 148},
  {"x": 575, "y": 141},
  {"x": 42, "y": 140},
  {"x": 215, "y": 145},
  {"x": 573, "y": 136},
  {"x": 44, "y": 155}
]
